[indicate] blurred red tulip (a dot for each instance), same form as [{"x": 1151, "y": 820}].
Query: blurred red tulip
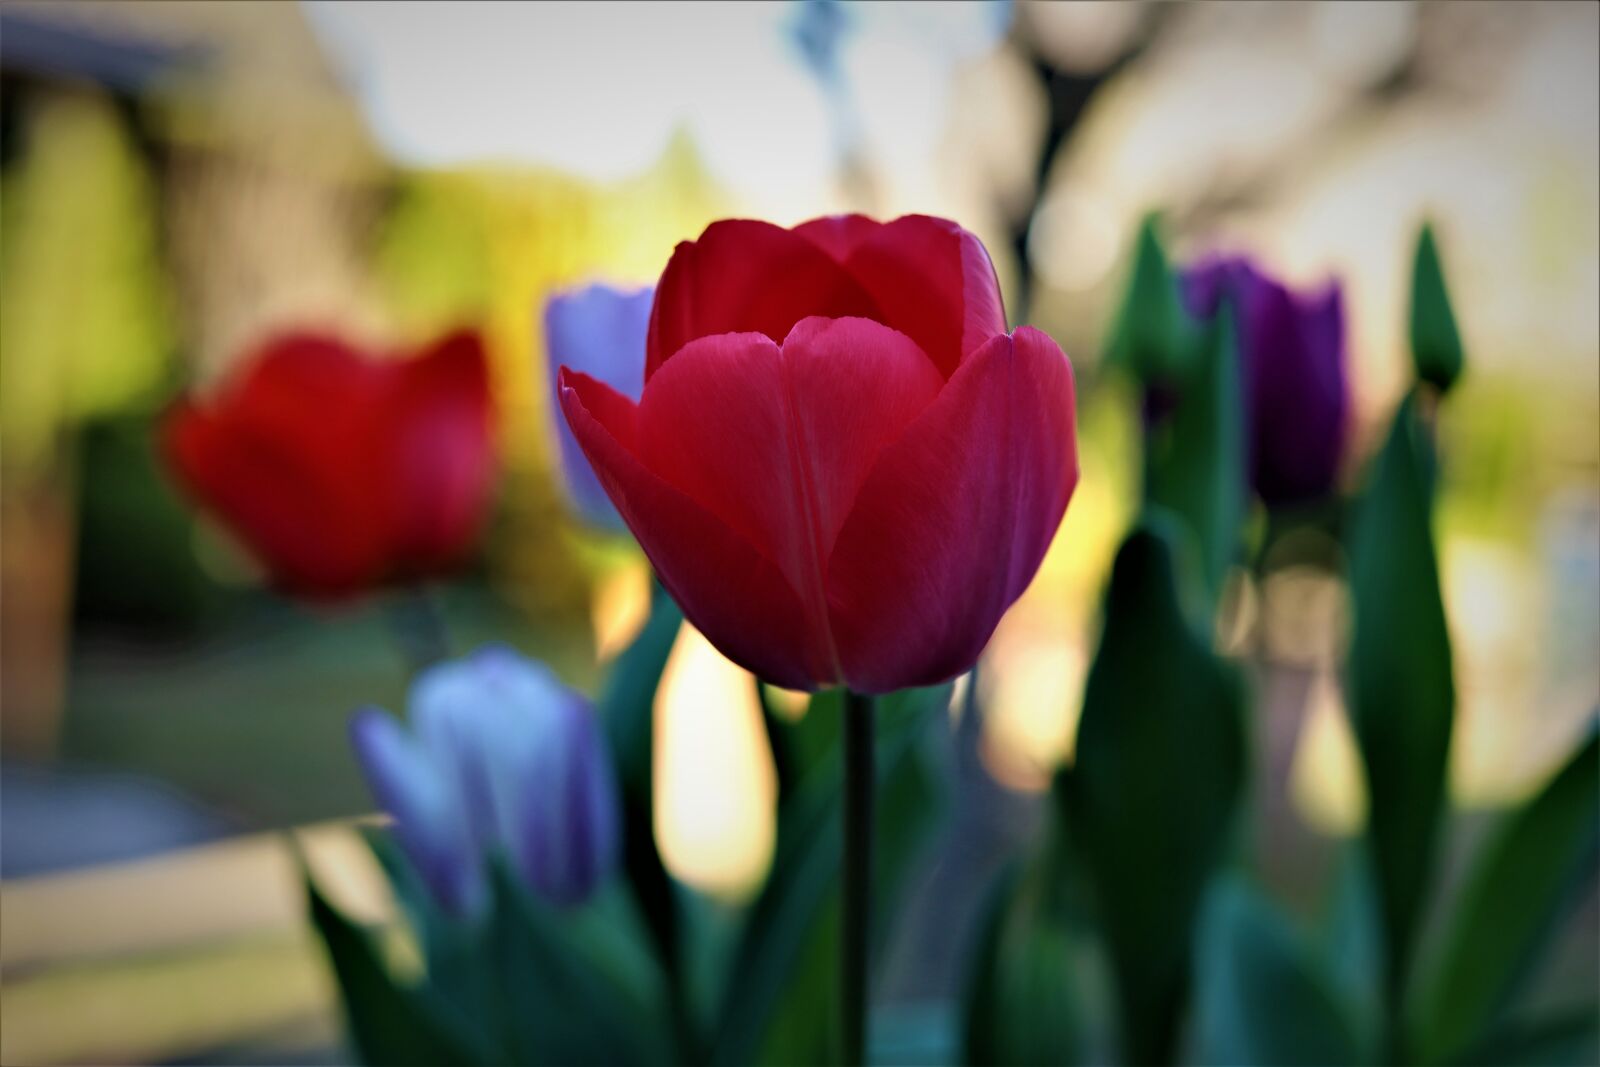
[
  {"x": 340, "y": 471},
  {"x": 842, "y": 466}
]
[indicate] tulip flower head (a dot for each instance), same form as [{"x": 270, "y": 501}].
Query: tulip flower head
[
  {"x": 600, "y": 331},
  {"x": 500, "y": 758},
  {"x": 1292, "y": 352},
  {"x": 842, "y": 465},
  {"x": 340, "y": 471}
]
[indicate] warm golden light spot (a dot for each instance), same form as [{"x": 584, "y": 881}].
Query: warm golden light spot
[
  {"x": 790, "y": 703},
  {"x": 620, "y": 606},
  {"x": 1031, "y": 689},
  {"x": 715, "y": 786},
  {"x": 1326, "y": 781}
]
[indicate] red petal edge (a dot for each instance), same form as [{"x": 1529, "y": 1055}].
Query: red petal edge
[
  {"x": 955, "y": 517},
  {"x": 735, "y": 596}
]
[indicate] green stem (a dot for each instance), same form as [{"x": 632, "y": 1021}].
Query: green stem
[
  {"x": 419, "y": 628},
  {"x": 855, "y": 925}
]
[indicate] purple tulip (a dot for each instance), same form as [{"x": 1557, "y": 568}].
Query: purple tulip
[
  {"x": 500, "y": 757},
  {"x": 600, "y": 331},
  {"x": 1292, "y": 352}
]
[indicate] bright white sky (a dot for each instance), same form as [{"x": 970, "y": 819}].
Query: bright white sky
[{"x": 598, "y": 89}]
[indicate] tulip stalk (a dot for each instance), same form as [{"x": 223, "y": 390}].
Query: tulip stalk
[
  {"x": 419, "y": 629},
  {"x": 855, "y": 926}
]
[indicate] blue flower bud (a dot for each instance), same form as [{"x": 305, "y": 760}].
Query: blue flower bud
[
  {"x": 501, "y": 758},
  {"x": 1292, "y": 351},
  {"x": 599, "y": 331}
]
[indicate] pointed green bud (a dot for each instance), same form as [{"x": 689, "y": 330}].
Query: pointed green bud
[
  {"x": 1435, "y": 341},
  {"x": 1151, "y": 338}
]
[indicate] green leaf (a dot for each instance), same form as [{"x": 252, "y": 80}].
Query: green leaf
[
  {"x": 627, "y": 711},
  {"x": 1353, "y": 944},
  {"x": 908, "y": 805},
  {"x": 1567, "y": 1039},
  {"x": 389, "y": 1023},
  {"x": 1261, "y": 995},
  {"x": 627, "y": 700},
  {"x": 1156, "y": 785},
  {"x": 1195, "y": 459},
  {"x": 1525, "y": 878},
  {"x": 791, "y": 912},
  {"x": 1021, "y": 1003},
  {"x": 460, "y": 971},
  {"x": 1400, "y": 692},
  {"x": 1435, "y": 342},
  {"x": 576, "y": 986},
  {"x": 1152, "y": 335},
  {"x": 799, "y": 745}
]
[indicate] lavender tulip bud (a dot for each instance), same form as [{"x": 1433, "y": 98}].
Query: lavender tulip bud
[
  {"x": 599, "y": 331},
  {"x": 502, "y": 758},
  {"x": 1292, "y": 351}
]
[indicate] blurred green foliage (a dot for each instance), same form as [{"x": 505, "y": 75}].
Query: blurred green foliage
[
  {"x": 86, "y": 329},
  {"x": 433, "y": 255},
  {"x": 1435, "y": 341},
  {"x": 615, "y": 979},
  {"x": 1261, "y": 994},
  {"x": 135, "y": 557},
  {"x": 1023, "y": 1004},
  {"x": 1401, "y": 687},
  {"x": 1195, "y": 460},
  {"x": 1154, "y": 794},
  {"x": 1525, "y": 879},
  {"x": 1151, "y": 337},
  {"x": 1210, "y": 968}
]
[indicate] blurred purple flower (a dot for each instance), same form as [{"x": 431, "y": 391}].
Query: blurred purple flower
[
  {"x": 500, "y": 757},
  {"x": 1292, "y": 353},
  {"x": 599, "y": 330}
]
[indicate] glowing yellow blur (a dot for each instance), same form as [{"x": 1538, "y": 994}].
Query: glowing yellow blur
[{"x": 715, "y": 786}]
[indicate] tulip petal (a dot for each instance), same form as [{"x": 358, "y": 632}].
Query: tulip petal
[
  {"x": 439, "y": 422},
  {"x": 732, "y": 593},
  {"x": 777, "y": 443},
  {"x": 296, "y": 515},
  {"x": 564, "y": 802},
  {"x": 464, "y": 711},
  {"x": 955, "y": 517},
  {"x": 601, "y": 332},
  {"x": 526, "y": 755},
  {"x": 429, "y": 818},
  {"x": 931, "y": 280},
  {"x": 853, "y": 386},
  {"x": 1300, "y": 401},
  {"x": 839, "y": 235},
  {"x": 284, "y": 455},
  {"x": 744, "y": 276}
]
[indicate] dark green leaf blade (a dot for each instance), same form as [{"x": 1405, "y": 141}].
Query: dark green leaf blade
[
  {"x": 908, "y": 806},
  {"x": 627, "y": 700},
  {"x": 1195, "y": 459},
  {"x": 799, "y": 745},
  {"x": 1155, "y": 788},
  {"x": 1261, "y": 996},
  {"x": 389, "y": 1023},
  {"x": 1511, "y": 904},
  {"x": 458, "y": 973},
  {"x": 574, "y": 985},
  {"x": 792, "y": 911},
  {"x": 1352, "y": 943},
  {"x": 1021, "y": 1006},
  {"x": 1435, "y": 341},
  {"x": 1568, "y": 1039},
  {"x": 627, "y": 712},
  {"x": 1151, "y": 338},
  {"x": 1401, "y": 691}
]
